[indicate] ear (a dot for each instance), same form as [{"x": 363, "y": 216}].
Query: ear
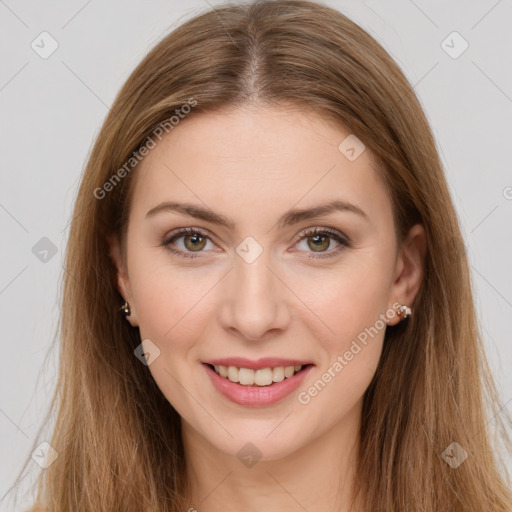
[
  {"x": 409, "y": 270},
  {"x": 122, "y": 279}
]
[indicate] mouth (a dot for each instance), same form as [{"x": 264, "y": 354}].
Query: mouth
[
  {"x": 260, "y": 386},
  {"x": 262, "y": 377}
]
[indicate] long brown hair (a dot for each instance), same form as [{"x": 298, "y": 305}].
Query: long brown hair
[{"x": 118, "y": 439}]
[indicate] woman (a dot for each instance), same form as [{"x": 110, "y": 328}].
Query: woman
[{"x": 267, "y": 301}]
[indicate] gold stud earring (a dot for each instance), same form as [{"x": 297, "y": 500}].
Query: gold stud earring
[{"x": 125, "y": 308}]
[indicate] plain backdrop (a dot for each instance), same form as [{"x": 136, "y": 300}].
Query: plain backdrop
[{"x": 52, "y": 107}]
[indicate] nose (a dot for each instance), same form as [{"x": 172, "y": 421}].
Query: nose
[{"x": 254, "y": 304}]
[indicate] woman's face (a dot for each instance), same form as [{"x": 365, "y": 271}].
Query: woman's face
[{"x": 255, "y": 288}]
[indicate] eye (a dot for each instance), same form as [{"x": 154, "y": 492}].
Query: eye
[
  {"x": 320, "y": 239},
  {"x": 194, "y": 240}
]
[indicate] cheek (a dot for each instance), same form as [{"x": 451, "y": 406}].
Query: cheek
[
  {"x": 172, "y": 310},
  {"x": 352, "y": 353},
  {"x": 339, "y": 387},
  {"x": 352, "y": 302},
  {"x": 170, "y": 300},
  {"x": 349, "y": 298},
  {"x": 353, "y": 306}
]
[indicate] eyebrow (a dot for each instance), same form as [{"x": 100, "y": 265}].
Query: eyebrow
[{"x": 293, "y": 216}]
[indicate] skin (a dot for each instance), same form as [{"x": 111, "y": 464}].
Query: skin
[{"x": 251, "y": 165}]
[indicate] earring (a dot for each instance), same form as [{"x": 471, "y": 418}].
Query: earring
[
  {"x": 404, "y": 312},
  {"x": 125, "y": 308}
]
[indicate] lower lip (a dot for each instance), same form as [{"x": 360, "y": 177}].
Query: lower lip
[{"x": 256, "y": 396}]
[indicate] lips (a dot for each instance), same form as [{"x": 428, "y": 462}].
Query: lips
[{"x": 256, "y": 395}]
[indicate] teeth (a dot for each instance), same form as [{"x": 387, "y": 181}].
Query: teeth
[
  {"x": 289, "y": 371},
  {"x": 246, "y": 376},
  {"x": 262, "y": 377},
  {"x": 233, "y": 374},
  {"x": 278, "y": 374}
]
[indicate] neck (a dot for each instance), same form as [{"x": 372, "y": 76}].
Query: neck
[{"x": 315, "y": 477}]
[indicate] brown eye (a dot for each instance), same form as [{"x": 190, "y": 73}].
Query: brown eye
[
  {"x": 325, "y": 242},
  {"x": 318, "y": 243},
  {"x": 194, "y": 242},
  {"x": 188, "y": 242}
]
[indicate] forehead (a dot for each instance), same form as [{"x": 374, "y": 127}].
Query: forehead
[{"x": 254, "y": 160}]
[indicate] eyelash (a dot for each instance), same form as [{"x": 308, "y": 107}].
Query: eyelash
[{"x": 308, "y": 233}]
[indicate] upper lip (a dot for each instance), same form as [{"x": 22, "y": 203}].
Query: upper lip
[{"x": 264, "y": 362}]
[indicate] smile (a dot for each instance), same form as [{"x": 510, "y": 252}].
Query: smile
[
  {"x": 256, "y": 387},
  {"x": 261, "y": 377}
]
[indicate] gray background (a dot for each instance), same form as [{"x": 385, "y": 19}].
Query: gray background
[{"x": 51, "y": 110}]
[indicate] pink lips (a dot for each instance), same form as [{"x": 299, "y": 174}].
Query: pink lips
[{"x": 256, "y": 396}]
